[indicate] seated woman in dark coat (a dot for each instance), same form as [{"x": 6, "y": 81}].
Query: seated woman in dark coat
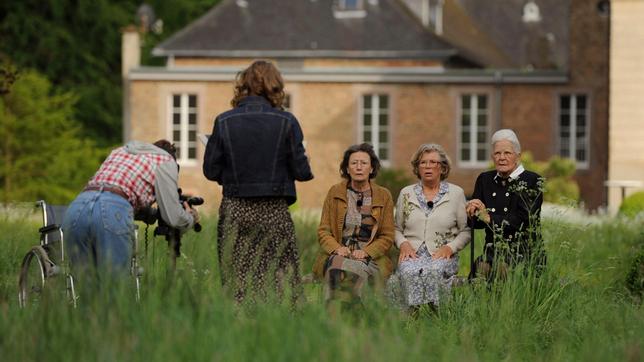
[{"x": 507, "y": 203}]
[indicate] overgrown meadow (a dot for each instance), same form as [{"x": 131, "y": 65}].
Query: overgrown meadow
[{"x": 579, "y": 310}]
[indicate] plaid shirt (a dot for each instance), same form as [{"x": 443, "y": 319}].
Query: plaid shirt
[{"x": 133, "y": 173}]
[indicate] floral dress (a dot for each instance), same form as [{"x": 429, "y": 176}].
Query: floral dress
[{"x": 423, "y": 280}]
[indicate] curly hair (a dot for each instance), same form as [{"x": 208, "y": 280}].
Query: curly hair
[
  {"x": 363, "y": 147},
  {"x": 446, "y": 164},
  {"x": 260, "y": 79},
  {"x": 167, "y": 146}
]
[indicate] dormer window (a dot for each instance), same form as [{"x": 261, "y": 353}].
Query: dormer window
[
  {"x": 531, "y": 13},
  {"x": 350, "y": 4},
  {"x": 344, "y": 9}
]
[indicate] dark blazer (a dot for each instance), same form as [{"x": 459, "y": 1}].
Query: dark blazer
[
  {"x": 256, "y": 150},
  {"x": 514, "y": 207}
]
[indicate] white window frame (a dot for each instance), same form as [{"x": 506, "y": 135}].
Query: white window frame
[
  {"x": 572, "y": 141},
  {"x": 375, "y": 125},
  {"x": 341, "y": 11},
  {"x": 473, "y": 162},
  {"x": 342, "y": 5},
  {"x": 183, "y": 145}
]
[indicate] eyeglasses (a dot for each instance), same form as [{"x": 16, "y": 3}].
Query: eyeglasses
[
  {"x": 361, "y": 163},
  {"x": 429, "y": 163}
]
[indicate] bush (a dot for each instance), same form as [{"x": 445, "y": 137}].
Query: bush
[
  {"x": 632, "y": 205},
  {"x": 560, "y": 187},
  {"x": 394, "y": 180}
]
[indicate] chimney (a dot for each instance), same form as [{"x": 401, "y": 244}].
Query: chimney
[
  {"x": 130, "y": 49},
  {"x": 130, "y": 58}
]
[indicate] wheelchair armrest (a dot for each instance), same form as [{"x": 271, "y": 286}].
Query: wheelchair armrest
[{"x": 49, "y": 228}]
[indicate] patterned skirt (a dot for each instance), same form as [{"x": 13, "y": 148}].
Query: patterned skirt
[
  {"x": 345, "y": 278},
  {"x": 423, "y": 280},
  {"x": 257, "y": 249}
]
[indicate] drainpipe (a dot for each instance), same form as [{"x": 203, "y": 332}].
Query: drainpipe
[{"x": 498, "y": 97}]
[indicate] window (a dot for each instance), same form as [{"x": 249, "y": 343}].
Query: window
[
  {"x": 184, "y": 126},
  {"x": 573, "y": 127},
  {"x": 350, "y": 4},
  {"x": 344, "y": 9},
  {"x": 375, "y": 123},
  {"x": 473, "y": 142},
  {"x": 436, "y": 16},
  {"x": 531, "y": 13}
]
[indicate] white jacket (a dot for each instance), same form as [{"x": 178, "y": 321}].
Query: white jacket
[{"x": 446, "y": 224}]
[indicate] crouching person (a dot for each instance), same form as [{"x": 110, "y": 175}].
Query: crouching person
[
  {"x": 356, "y": 230},
  {"x": 99, "y": 223}
]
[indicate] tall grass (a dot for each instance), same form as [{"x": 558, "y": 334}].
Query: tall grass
[{"x": 578, "y": 309}]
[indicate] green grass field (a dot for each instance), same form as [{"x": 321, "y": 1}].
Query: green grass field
[{"x": 579, "y": 310}]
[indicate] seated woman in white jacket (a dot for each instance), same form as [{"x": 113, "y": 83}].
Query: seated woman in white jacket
[{"x": 431, "y": 227}]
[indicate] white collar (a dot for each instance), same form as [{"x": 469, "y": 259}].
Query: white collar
[{"x": 515, "y": 174}]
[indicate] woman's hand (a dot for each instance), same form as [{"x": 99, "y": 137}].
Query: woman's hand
[
  {"x": 476, "y": 207},
  {"x": 445, "y": 252},
  {"x": 359, "y": 254},
  {"x": 406, "y": 252},
  {"x": 343, "y": 251}
]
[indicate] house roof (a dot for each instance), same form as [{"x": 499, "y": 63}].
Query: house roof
[
  {"x": 462, "y": 30},
  {"x": 539, "y": 44},
  {"x": 305, "y": 28}
]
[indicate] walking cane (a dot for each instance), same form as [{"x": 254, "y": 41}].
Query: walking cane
[{"x": 470, "y": 221}]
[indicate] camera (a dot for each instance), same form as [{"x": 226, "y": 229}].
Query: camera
[{"x": 151, "y": 215}]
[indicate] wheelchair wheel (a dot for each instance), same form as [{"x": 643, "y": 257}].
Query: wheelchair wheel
[{"x": 31, "y": 282}]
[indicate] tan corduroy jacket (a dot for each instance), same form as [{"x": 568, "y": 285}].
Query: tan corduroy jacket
[{"x": 332, "y": 222}]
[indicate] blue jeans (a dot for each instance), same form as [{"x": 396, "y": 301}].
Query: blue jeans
[{"x": 99, "y": 231}]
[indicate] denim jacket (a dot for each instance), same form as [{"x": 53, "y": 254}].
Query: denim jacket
[{"x": 256, "y": 150}]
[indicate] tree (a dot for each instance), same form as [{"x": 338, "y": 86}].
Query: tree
[
  {"x": 77, "y": 45},
  {"x": 42, "y": 155}
]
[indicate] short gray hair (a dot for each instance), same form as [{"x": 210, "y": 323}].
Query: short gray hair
[
  {"x": 446, "y": 164},
  {"x": 507, "y": 134}
]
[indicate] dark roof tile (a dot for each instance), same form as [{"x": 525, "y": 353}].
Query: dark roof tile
[{"x": 305, "y": 28}]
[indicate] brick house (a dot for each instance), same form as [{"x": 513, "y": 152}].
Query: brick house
[{"x": 395, "y": 73}]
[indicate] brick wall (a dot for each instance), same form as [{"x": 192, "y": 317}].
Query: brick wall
[{"x": 589, "y": 66}]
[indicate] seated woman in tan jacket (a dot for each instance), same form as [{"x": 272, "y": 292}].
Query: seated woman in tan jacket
[
  {"x": 431, "y": 227},
  {"x": 356, "y": 229}
]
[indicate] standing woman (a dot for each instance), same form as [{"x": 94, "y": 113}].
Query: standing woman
[
  {"x": 256, "y": 153},
  {"x": 356, "y": 229},
  {"x": 431, "y": 227}
]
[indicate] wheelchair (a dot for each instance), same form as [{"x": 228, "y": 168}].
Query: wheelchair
[{"x": 45, "y": 263}]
